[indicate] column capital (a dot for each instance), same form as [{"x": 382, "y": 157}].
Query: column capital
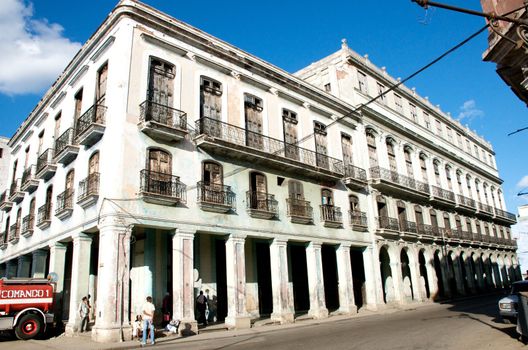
[
  {"x": 315, "y": 244},
  {"x": 236, "y": 238},
  {"x": 81, "y": 237},
  {"x": 183, "y": 233},
  {"x": 39, "y": 252},
  {"x": 344, "y": 245},
  {"x": 57, "y": 246},
  {"x": 279, "y": 242},
  {"x": 23, "y": 258},
  {"x": 112, "y": 221}
]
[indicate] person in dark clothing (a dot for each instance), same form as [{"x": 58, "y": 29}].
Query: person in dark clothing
[
  {"x": 201, "y": 305},
  {"x": 166, "y": 309}
]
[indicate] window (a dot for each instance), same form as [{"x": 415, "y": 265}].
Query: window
[
  {"x": 434, "y": 219},
  {"x": 40, "y": 142},
  {"x": 69, "y": 182},
  {"x": 57, "y": 126},
  {"x": 254, "y": 129},
  {"x": 468, "y": 226},
  {"x": 15, "y": 165},
  {"x": 372, "y": 151},
  {"x": 423, "y": 167},
  {"x": 459, "y": 180},
  {"x": 160, "y": 93},
  {"x": 476, "y": 151},
  {"x": 391, "y": 155},
  {"x": 327, "y": 87},
  {"x": 26, "y": 160},
  {"x": 447, "y": 222},
  {"x": 212, "y": 180},
  {"x": 468, "y": 185},
  {"x": 320, "y": 145},
  {"x": 436, "y": 168},
  {"x": 289, "y": 126},
  {"x": 381, "y": 93},
  {"x": 100, "y": 92},
  {"x": 448, "y": 176},
  {"x": 414, "y": 114},
  {"x": 354, "y": 203},
  {"x": 468, "y": 146},
  {"x": 398, "y": 102},
  {"x": 438, "y": 127},
  {"x": 449, "y": 134},
  {"x": 402, "y": 214},
  {"x": 477, "y": 188},
  {"x": 327, "y": 198},
  {"x": 427, "y": 121},
  {"x": 78, "y": 104},
  {"x": 346, "y": 146},
  {"x": 1, "y": 153},
  {"x": 419, "y": 216},
  {"x": 485, "y": 190},
  {"x": 459, "y": 141},
  {"x": 362, "y": 82},
  {"x": 49, "y": 196},
  {"x": 258, "y": 191},
  {"x": 210, "y": 98},
  {"x": 32, "y": 206},
  {"x": 382, "y": 208},
  {"x": 295, "y": 190},
  {"x": 408, "y": 162}
]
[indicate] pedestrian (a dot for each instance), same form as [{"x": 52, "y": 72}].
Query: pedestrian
[
  {"x": 201, "y": 305},
  {"x": 147, "y": 314},
  {"x": 84, "y": 309},
  {"x": 166, "y": 309},
  {"x": 90, "y": 310}
]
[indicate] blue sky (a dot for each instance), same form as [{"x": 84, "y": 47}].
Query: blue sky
[{"x": 396, "y": 34}]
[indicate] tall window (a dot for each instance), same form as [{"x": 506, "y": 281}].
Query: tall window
[
  {"x": 468, "y": 225},
  {"x": 212, "y": 174},
  {"x": 459, "y": 141},
  {"x": 32, "y": 206},
  {"x": 69, "y": 182},
  {"x": 381, "y": 93},
  {"x": 93, "y": 164},
  {"x": 40, "y": 142},
  {"x": 418, "y": 213},
  {"x": 468, "y": 185},
  {"x": 327, "y": 198},
  {"x": 210, "y": 98},
  {"x": 402, "y": 213},
  {"x": 398, "y": 102},
  {"x": 485, "y": 190},
  {"x": 320, "y": 145},
  {"x": 258, "y": 189},
  {"x": 438, "y": 127},
  {"x": 436, "y": 168},
  {"x": 289, "y": 126},
  {"x": 476, "y": 151},
  {"x": 354, "y": 203},
  {"x": 372, "y": 151},
  {"x": 15, "y": 166},
  {"x": 449, "y": 134},
  {"x": 468, "y": 146},
  {"x": 253, "y": 112},
  {"x": 423, "y": 167},
  {"x": 408, "y": 162},
  {"x": 459, "y": 180},
  {"x": 78, "y": 104},
  {"x": 362, "y": 82},
  {"x": 100, "y": 92},
  {"x": 391, "y": 155},
  {"x": 414, "y": 114},
  {"x": 49, "y": 195},
  {"x": 477, "y": 188},
  {"x": 448, "y": 176},
  {"x": 434, "y": 219},
  {"x": 346, "y": 146},
  {"x": 160, "y": 93},
  {"x": 427, "y": 121},
  {"x": 159, "y": 168},
  {"x": 56, "y": 133},
  {"x": 447, "y": 222},
  {"x": 26, "y": 158},
  {"x": 383, "y": 211},
  {"x": 295, "y": 190}
]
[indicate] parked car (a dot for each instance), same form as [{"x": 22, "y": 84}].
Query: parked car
[{"x": 508, "y": 304}]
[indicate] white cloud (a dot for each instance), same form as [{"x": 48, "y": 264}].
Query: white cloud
[
  {"x": 469, "y": 111},
  {"x": 523, "y": 183},
  {"x": 34, "y": 52}
]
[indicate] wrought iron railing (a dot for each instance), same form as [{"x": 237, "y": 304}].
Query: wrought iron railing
[
  {"x": 299, "y": 207},
  {"x": 388, "y": 223},
  {"x": 475, "y": 236},
  {"x": 426, "y": 229},
  {"x": 215, "y": 194},
  {"x": 505, "y": 214},
  {"x": 14, "y": 232},
  {"x": 468, "y": 202},
  {"x": 44, "y": 213},
  {"x": 261, "y": 201},
  {"x": 28, "y": 223},
  {"x": 399, "y": 179},
  {"x": 28, "y": 175},
  {"x": 65, "y": 140},
  {"x": 89, "y": 186},
  {"x": 94, "y": 115},
  {"x": 408, "y": 226},
  {"x": 46, "y": 158},
  {"x": 331, "y": 213},
  {"x": 355, "y": 172},
  {"x": 64, "y": 201},
  {"x": 466, "y": 235},
  {"x": 162, "y": 184},
  {"x": 240, "y": 136},
  {"x": 485, "y": 208},
  {"x": 441, "y": 193},
  {"x": 164, "y": 115},
  {"x": 358, "y": 218}
]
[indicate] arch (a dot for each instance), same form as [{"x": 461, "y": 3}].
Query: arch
[
  {"x": 438, "y": 261},
  {"x": 387, "y": 282},
  {"x": 93, "y": 163},
  {"x": 407, "y": 285},
  {"x": 424, "y": 278},
  {"x": 451, "y": 272},
  {"x": 158, "y": 161}
]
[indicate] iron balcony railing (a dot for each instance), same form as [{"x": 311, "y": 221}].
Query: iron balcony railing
[
  {"x": 3, "y": 238},
  {"x": 408, "y": 226},
  {"x": 215, "y": 194},
  {"x": 15, "y": 187},
  {"x": 163, "y": 185},
  {"x": 44, "y": 213},
  {"x": 468, "y": 202},
  {"x": 65, "y": 140},
  {"x": 388, "y": 223},
  {"x": 505, "y": 214},
  {"x": 355, "y": 172},
  {"x": 466, "y": 235},
  {"x": 261, "y": 201},
  {"x": 14, "y": 232},
  {"x": 441, "y": 193},
  {"x": 399, "y": 179},
  {"x": 299, "y": 207},
  {"x": 358, "y": 218},
  {"x": 240, "y": 136},
  {"x": 28, "y": 175},
  {"x": 426, "y": 229},
  {"x": 64, "y": 201},
  {"x": 164, "y": 115},
  {"x": 46, "y": 158},
  {"x": 484, "y": 207},
  {"x": 94, "y": 115},
  {"x": 28, "y": 223},
  {"x": 89, "y": 186},
  {"x": 331, "y": 213}
]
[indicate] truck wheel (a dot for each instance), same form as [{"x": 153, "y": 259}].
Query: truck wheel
[{"x": 28, "y": 327}]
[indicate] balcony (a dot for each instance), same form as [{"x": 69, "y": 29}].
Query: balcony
[
  {"x": 46, "y": 165},
  {"x": 88, "y": 191},
  {"x": 64, "y": 205},
  {"x": 331, "y": 216},
  {"x": 409, "y": 227},
  {"x": 427, "y": 232},
  {"x": 261, "y": 205},
  {"x": 162, "y": 123},
  {"x": 5, "y": 204},
  {"x": 90, "y": 127},
  {"x": 504, "y": 216},
  {"x": 28, "y": 225},
  {"x": 485, "y": 210},
  {"x": 466, "y": 235},
  {"x": 14, "y": 234},
  {"x": 233, "y": 142},
  {"x": 355, "y": 178},
  {"x": 3, "y": 240},
  {"x": 439, "y": 196},
  {"x": 15, "y": 193},
  {"x": 44, "y": 216},
  {"x": 388, "y": 226},
  {"x": 66, "y": 148},
  {"x": 388, "y": 181},
  {"x": 358, "y": 220},
  {"x": 163, "y": 189},
  {"x": 466, "y": 204},
  {"x": 299, "y": 211},
  {"x": 215, "y": 198},
  {"x": 29, "y": 180}
]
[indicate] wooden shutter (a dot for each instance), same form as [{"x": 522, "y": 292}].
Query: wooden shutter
[
  {"x": 289, "y": 125},
  {"x": 419, "y": 215},
  {"x": 392, "y": 157},
  {"x": 346, "y": 145},
  {"x": 253, "y": 109},
  {"x": 101, "y": 85},
  {"x": 78, "y": 104},
  {"x": 69, "y": 181},
  {"x": 295, "y": 190},
  {"x": 161, "y": 86},
  {"x": 320, "y": 145},
  {"x": 93, "y": 164},
  {"x": 434, "y": 219}
]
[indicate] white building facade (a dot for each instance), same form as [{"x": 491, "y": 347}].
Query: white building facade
[{"x": 166, "y": 160}]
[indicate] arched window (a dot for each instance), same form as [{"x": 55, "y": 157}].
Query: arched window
[
  {"x": 372, "y": 151},
  {"x": 354, "y": 203},
  {"x": 327, "y": 198},
  {"x": 391, "y": 155}
]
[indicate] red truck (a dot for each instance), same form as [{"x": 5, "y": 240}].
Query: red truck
[{"x": 26, "y": 306}]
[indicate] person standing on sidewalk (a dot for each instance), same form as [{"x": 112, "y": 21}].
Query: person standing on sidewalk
[
  {"x": 147, "y": 314},
  {"x": 84, "y": 309}
]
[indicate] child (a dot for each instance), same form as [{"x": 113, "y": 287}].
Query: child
[{"x": 136, "y": 327}]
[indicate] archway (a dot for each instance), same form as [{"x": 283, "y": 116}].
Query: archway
[
  {"x": 451, "y": 275},
  {"x": 386, "y": 275},
  {"x": 424, "y": 281},
  {"x": 408, "y": 292},
  {"x": 438, "y": 270}
]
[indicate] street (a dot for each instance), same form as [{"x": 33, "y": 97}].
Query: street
[{"x": 460, "y": 325}]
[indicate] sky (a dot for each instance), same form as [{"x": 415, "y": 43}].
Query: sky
[{"x": 39, "y": 38}]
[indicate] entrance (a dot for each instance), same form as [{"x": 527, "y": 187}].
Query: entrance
[
  {"x": 439, "y": 278},
  {"x": 221, "y": 280},
  {"x": 328, "y": 254},
  {"x": 358, "y": 276},
  {"x": 408, "y": 292},
  {"x": 386, "y": 275},
  {"x": 299, "y": 278},
  {"x": 265, "y": 294},
  {"x": 423, "y": 273}
]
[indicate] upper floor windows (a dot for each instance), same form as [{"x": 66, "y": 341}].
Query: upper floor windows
[
  {"x": 289, "y": 126},
  {"x": 327, "y": 87},
  {"x": 423, "y": 166},
  {"x": 427, "y": 120},
  {"x": 161, "y": 82},
  {"x": 253, "y": 107},
  {"x": 321, "y": 148},
  {"x": 362, "y": 82},
  {"x": 102, "y": 77},
  {"x": 210, "y": 98},
  {"x": 438, "y": 127},
  {"x": 372, "y": 150},
  {"x": 391, "y": 154},
  {"x": 408, "y": 161},
  {"x": 449, "y": 134},
  {"x": 78, "y": 104},
  {"x": 346, "y": 146},
  {"x": 414, "y": 113},
  {"x": 381, "y": 93},
  {"x": 398, "y": 102}
]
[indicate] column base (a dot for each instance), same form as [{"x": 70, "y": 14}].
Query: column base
[
  {"x": 188, "y": 328},
  {"x": 283, "y": 318},
  {"x": 111, "y": 334},
  {"x": 238, "y": 322},
  {"x": 348, "y": 310},
  {"x": 71, "y": 328},
  {"x": 319, "y": 313}
]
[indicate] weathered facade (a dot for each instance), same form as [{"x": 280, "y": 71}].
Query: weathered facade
[{"x": 165, "y": 160}]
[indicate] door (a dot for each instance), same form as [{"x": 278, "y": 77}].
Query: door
[
  {"x": 258, "y": 192},
  {"x": 100, "y": 93},
  {"x": 320, "y": 145},
  {"x": 211, "y": 106},
  {"x": 213, "y": 183},
  {"x": 49, "y": 194},
  {"x": 296, "y": 196},
  {"x": 93, "y": 173},
  {"x": 253, "y": 112},
  {"x": 289, "y": 125},
  {"x": 159, "y": 172},
  {"x": 346, "y": 146},
  {"x": 160, "y": 92}
]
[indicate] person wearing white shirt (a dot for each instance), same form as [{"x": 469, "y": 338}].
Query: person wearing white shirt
[{"x": 147, "y": 315}]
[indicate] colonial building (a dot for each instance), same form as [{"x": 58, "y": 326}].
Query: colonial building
[
  {"x": 4, "y": 163},
  {"x": 166, "y": 160}
]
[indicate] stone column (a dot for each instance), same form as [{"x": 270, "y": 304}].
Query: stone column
[
  {"x": 431, "y": 274},
  {"x": 11, "y": 268},
  {"x": 80, "y": 274},
  {"x": 237, "y": 315},
  {"x": 315, "y": 281},
  {"x": 112, "y": 323},
  {"x": 397, "y": 281},
  {"x": 470, "y": 273},
  {"x": 374, "y": 291},
  {"x": 458, "y": 275},
  {"x": 344, "y": 273},
  {"x": 183, "y": 281},
  {"x": 24, "y": 266},
  {"x": 38, "y": 266},
  {"x": 480, "y": 274},
  {"x": 282, "y": 309},
  {"x": 57, "y": 264}
]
